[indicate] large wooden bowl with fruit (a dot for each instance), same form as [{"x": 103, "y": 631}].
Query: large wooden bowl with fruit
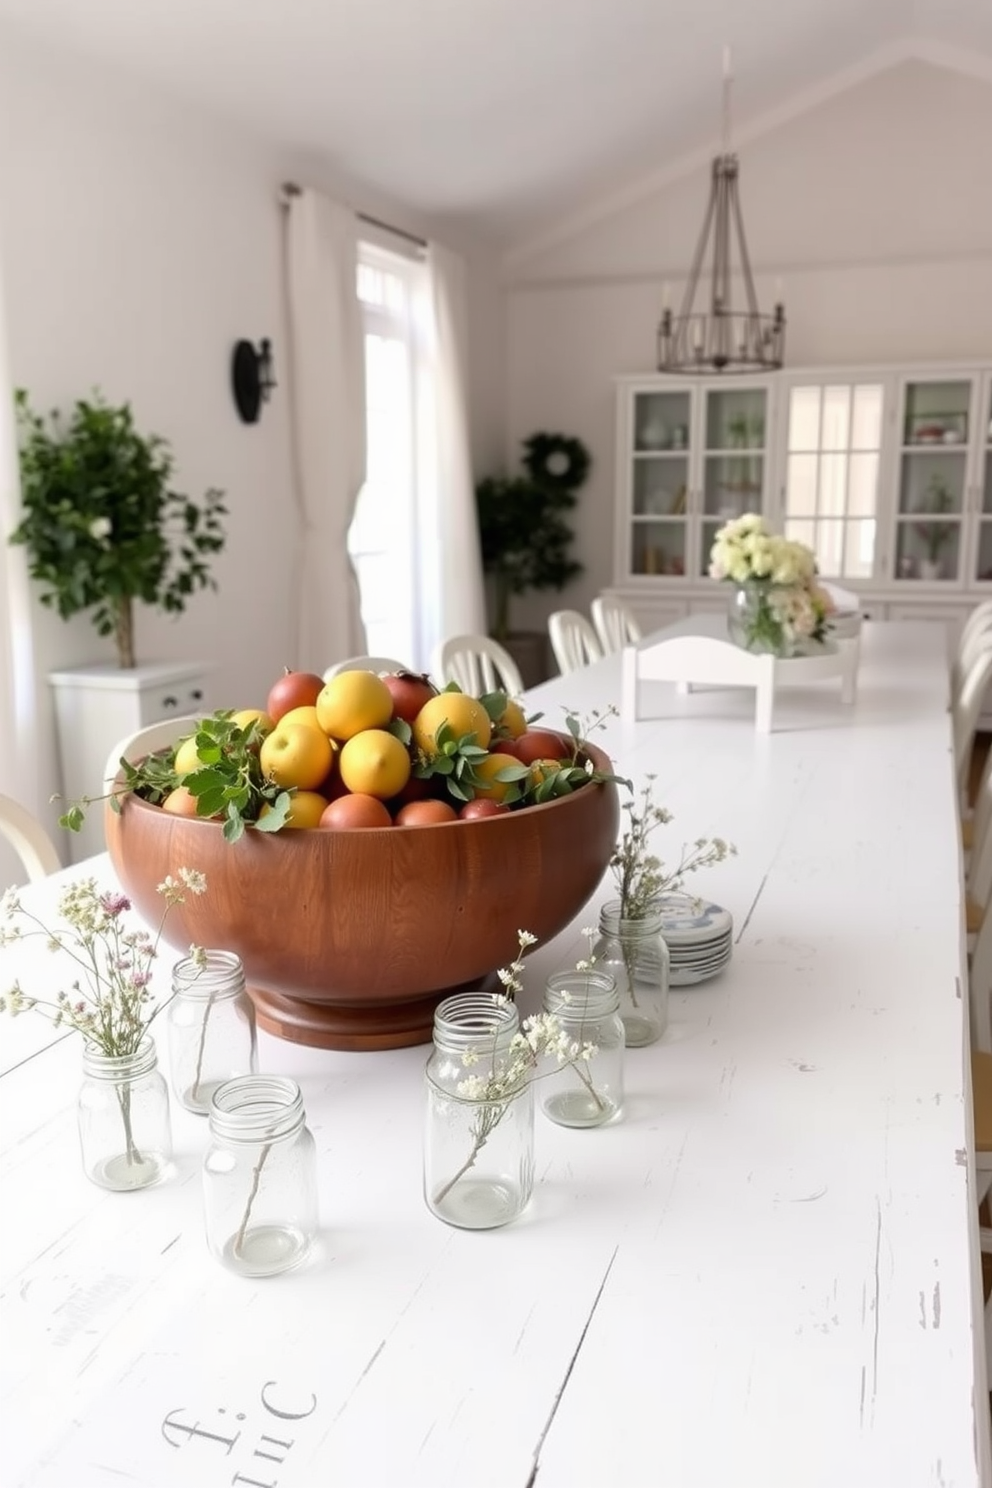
[{"x": 352, "y": 925}]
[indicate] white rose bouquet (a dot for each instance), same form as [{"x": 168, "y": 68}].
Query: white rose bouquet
[{"x": 784, "y": 605}]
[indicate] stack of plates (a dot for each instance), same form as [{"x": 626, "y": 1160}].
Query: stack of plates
[{"x": 699, "y": 938}]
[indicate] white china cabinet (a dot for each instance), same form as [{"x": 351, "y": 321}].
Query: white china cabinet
[
  {"x": 690, "y": 456},
  {"x": 885, "y": 471}
]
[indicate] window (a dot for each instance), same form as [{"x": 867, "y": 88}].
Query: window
[
  {"x": 382, "y": 539},
  {"x": 833, "y": 449}
]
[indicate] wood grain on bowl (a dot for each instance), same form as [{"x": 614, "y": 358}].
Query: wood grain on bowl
[{"x": 349, "y": 939}]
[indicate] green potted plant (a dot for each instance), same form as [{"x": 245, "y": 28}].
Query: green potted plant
[
  {"x": 526, "y": 536},
  {"x": 935, "y": 535},
  {"x": 102, "y": 525}
]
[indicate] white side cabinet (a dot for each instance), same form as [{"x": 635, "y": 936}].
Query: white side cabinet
[{"x": 98, "y": 706}]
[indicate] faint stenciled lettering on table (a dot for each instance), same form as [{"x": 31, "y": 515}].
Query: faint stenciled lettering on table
[{"x": 255, "y": 1443}]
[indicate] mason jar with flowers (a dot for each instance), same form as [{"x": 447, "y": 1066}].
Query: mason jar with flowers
[
  {"x": 777, "y": 605},
  {"x": 123, "y": 1107}
]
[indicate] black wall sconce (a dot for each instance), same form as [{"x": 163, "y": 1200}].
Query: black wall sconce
[{"x": 252, "y": 378}]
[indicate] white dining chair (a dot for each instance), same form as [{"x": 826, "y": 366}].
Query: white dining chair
[
  {"x": 974, "y": 636},
  {"x": 478, "y": 664},
  {"x": 26, "y": 835},
  {"x": 966, "y": 709},
  {"x": 615, "y": 622},
  {"x": 147, "y": 740},
  {"x": 365, "y": 664},
  {"x": 573, "y": 640}
]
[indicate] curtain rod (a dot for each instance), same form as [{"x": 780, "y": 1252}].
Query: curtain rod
[{"x": 290, "y": 188}]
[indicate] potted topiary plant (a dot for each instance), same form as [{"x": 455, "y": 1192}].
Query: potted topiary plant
[
  {"x": 526, "y": 536},
  {"x": 102, "y": 525}
]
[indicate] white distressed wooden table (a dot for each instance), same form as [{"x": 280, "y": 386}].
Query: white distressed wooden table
[{"x": 766, "y": 1274}]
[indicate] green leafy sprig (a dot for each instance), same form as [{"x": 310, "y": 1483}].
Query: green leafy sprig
[{"x": 228, "y": 783}]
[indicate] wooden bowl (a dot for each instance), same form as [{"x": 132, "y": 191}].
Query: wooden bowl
[{"x": 349, "y": 939}]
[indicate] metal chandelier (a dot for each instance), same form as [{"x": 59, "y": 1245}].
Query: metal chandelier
[{"x": 719, "y": 338}]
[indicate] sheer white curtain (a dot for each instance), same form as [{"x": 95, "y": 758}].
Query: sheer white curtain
[
  {"x": 453, "y": 599},
  {"x": 327, "y": 415},
  {"x": 19, "y": 722}
]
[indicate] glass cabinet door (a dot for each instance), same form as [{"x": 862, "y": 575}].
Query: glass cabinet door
[
  {"x": 983, "y": 566},
  {"x": 734, "y": 453},
  {"x": 660, "y": 482},
  {"x": 933, "y": 474}
]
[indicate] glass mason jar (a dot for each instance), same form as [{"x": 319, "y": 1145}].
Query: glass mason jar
[
  {"x": 123, "y": 1114},
  {"x": 259, "y": 1176},
  {"x": 634, "y": 953},
  {"x": 755, "y": 619},
  {"x": 211, "y": 1027},
  {"x": 588, "y": 1091},
  {"x": 479, "y": 1131}
]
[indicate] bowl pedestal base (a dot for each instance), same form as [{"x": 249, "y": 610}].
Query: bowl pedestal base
[{"x": 325, "y": 1025}]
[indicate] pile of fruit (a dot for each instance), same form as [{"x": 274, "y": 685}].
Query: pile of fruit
[{"x": 362, "y": 750}]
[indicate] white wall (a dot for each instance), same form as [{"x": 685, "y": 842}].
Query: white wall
[
  {"x": 139, "y": 239},
  {"x": 875, "y": 210}
]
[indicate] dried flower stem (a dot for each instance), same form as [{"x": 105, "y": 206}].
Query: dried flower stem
[
  {"x": 198, "y": 1074},
  {"x": 239, "y": 1238}
]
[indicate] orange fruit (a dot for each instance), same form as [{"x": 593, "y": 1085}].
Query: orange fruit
[
  {"x": 186, "y": 760},
  {"x": 374, "y": 763},
  {"x": 180, "y": 802},
  {"x": 487, "y": 769},
  {"x": 353, "y": 702},
  {"x": 306, "y": 807},
  {"x": 541, "y": 770},
  {"x": 512, "y": 721},
  {"x": 348, "y": 813},
  {"x": 463, "y": 714},
  {"x": 244, "y": 717},
  {"x": 306, "y": 713},
  {"x": 296, "y": 754}
]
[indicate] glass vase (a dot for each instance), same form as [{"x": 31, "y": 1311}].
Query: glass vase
[
  {"x": 123, "y": 1114},
  {"x": 479, "y": 1118},
  {"x": 755, "y": 618},
  {"x": 585, "y": 1092},
  {"x": 259, "y": 1176},
  {"x": 634, "y": 953},
  {"x": 211, "y": 1028}
]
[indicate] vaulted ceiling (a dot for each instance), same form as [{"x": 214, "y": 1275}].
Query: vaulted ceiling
[{"x": 502, "y": 116}]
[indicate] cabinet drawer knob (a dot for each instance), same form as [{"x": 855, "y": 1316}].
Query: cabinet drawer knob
[
  {"x": 170, "y": 702},
  {"x": 197, "y": 694}
]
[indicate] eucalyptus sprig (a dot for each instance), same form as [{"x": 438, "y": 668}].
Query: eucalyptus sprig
[
  {"x": 228, "y": 783},
  {"x": 639, "y": 874}
]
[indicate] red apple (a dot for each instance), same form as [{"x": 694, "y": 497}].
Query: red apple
[
  {"x": 538, "y": 744},
  {"x": 293, "y": 690},
  {"x": 353, "y": 813},
  {"x": 481, "y": 807},
  {"x": 409, "y": 692},
  {"x": 424, "y": 813}
]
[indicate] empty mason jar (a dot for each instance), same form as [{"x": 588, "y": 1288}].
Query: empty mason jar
[
  {"x": 479, "y": 1132},
  {"x": 259, "y": 1176},
  {"x": 211, "y": 1028},
  {"x": 123, "y": 1113},
  {"x": 634, "y": 953},
  {"x": 585, "y": 1091}
]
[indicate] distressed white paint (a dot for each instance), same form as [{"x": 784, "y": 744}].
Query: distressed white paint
[{"x": 763, "y": 1274}]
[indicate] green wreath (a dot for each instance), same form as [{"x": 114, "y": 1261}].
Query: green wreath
[{"x": 556, "y": 462}]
